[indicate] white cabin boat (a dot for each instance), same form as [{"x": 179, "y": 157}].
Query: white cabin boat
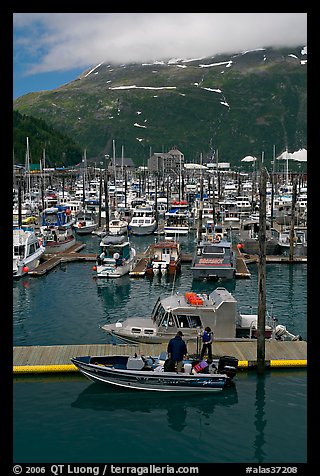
[
  {"x": 191, "y": 313},
  {"x": 56, "y": 229},
  {"x": 117, "y": 257},
  {"x": 177, "y": 220},
  {"x": 27, "y": 251},
  {"x": 143, "y": 221},
  {"x": 166, "y": 258},
  {"x": 85, "y": 222},
  {"x": 118, "y": 226}
]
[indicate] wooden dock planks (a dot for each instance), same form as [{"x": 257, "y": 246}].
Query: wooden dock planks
[{"x": 286, "y": 353}]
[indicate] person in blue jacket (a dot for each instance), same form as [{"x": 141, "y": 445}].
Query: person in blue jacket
[
  {"x": 177, "y": 350},
  {"x": 207, "y": 338}
]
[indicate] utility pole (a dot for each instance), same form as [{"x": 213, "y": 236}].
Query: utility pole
[
  {"x": 293, "y": 217},
  {"x": 262, "y": 273},
  {"x": 100, "y": 200},
  {"x": 106, "y": 195},
  {"x": 201, "y": 203}
]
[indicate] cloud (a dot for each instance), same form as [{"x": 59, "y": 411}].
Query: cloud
[{"x": 51, "y": 42}]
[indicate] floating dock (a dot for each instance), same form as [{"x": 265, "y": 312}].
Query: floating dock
[
  {"x": 50, "y": 261},
  {"x": 47, "y": 359}
]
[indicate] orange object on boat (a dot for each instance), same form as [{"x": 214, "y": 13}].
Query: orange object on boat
[{"x": 194, "y": 299}]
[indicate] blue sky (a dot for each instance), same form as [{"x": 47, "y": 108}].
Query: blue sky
[{"x": 51, "y": 49}]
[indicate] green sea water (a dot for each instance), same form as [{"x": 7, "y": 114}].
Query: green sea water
[{"x": 65, "y": 418}]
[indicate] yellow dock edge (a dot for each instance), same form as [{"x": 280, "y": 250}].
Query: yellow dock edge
[
  {"x": 288, "y": 363},
  {"x": 24, "y": 369}
]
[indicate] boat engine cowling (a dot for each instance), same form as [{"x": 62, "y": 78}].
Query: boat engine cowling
[
  {"x": 282, "y": 333},
  {"x": 228, "y": 365}
]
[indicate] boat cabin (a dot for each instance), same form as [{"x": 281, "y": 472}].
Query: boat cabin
[
  {"x": 192, "y": 312},
  {"x": 167, "y": 251},
  {"x": 114, "y": 247},
  {"x": 56, "y": 216}
]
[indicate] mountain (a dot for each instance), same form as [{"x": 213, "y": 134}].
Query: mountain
[
  {"x": 239, "y": 104},
  {"x": 59, "y": 148}
]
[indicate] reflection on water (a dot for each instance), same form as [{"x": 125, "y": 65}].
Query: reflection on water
[
  {"x": 260, "y": 420},
  {"x": 109, "y": 399},
  {"x": 202, "y": 286}
]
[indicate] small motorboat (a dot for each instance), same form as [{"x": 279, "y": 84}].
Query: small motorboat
[
  {"x": 150, "y": 373},
  {"x": 117, "y": 257},
  {"x": 166, "y": 258},
  {"x": 85, "y": 222},
  {"x": 118, "y": 227}
]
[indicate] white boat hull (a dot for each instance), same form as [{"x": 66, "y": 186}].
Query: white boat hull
[
  {"x": 85, "y": 230},
  {"x": 111, "y": 271},
  {"x": 143, "y": 229},
  {"x": 58, "y": 247},
  {"x": 31, "y": 264},
  {"x": 176, "y": 231}
]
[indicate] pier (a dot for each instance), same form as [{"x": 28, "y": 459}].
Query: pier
[
  {"x": 50, "y": 261},
  {"x": 47, "y": 359}
]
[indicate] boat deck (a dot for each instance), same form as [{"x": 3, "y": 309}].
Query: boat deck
[{"x": 43, "y": 359}]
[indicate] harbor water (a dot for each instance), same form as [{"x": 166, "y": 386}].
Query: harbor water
[{"x": 67, "y": 419}]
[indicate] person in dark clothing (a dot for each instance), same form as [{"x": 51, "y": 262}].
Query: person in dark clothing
[
  {"x": 207, "y": 338},
  {"x": 177, "y": 349}
]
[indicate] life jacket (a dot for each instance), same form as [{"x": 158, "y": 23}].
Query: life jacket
[{"x": 207, "y": 337}]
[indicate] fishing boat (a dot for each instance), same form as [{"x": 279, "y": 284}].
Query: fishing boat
[
  {"x": 118, "y": 226},
  {"x": 85, "y": 222},
  {"x": 166, "y": 258},
  {"x": 192, "y": 313},
  {"x": 214, "y": 257},
  {"x": 143, "y": 221},
  {"x": 299, "y": 241},
  {"x": 117, "y": 257},
  {"x": 141, "y": 373},
  {"x": 177, "y": 220},
  {"x": 27, "y": 251},
  {"x": 248, "y": 236},
  {"x": 56, "y": 229}
]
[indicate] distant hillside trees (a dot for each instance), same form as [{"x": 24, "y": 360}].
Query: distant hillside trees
[{"x": 60, "y": 150}]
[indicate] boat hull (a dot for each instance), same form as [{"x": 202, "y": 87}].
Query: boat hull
[
  {"x": 85, "y": 230},
  {"x": 222, "y": 272},
  {"x": 143, "y": 230},
  {"x": 172, "y": 231},
  {"x": 151, "y": 380},
  {"x": 31, "y": 263},
  {"x": 60, "y": 246},
  {"x": 113, "y": 272}
]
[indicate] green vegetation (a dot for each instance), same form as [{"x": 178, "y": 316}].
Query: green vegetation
[
  {"x": 262, "y": 105},
  {"x": 59, "y": 149}
]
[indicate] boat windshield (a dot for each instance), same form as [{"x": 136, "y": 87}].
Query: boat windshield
[
  {"x": 111, "y": 250},
  {"x": 211, "y": 249},
  {"x": 188, "y": 321},
  {"x": 158, "y": 312}
]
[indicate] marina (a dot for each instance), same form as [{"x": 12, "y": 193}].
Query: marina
[
  {"x": 160, "y": 233},
  {"x": 60, "y": 321}
]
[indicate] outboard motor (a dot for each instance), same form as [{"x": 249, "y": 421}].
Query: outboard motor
[
  {"x": 228, "y": 365},
  {"x": 281, "y": 333}
]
